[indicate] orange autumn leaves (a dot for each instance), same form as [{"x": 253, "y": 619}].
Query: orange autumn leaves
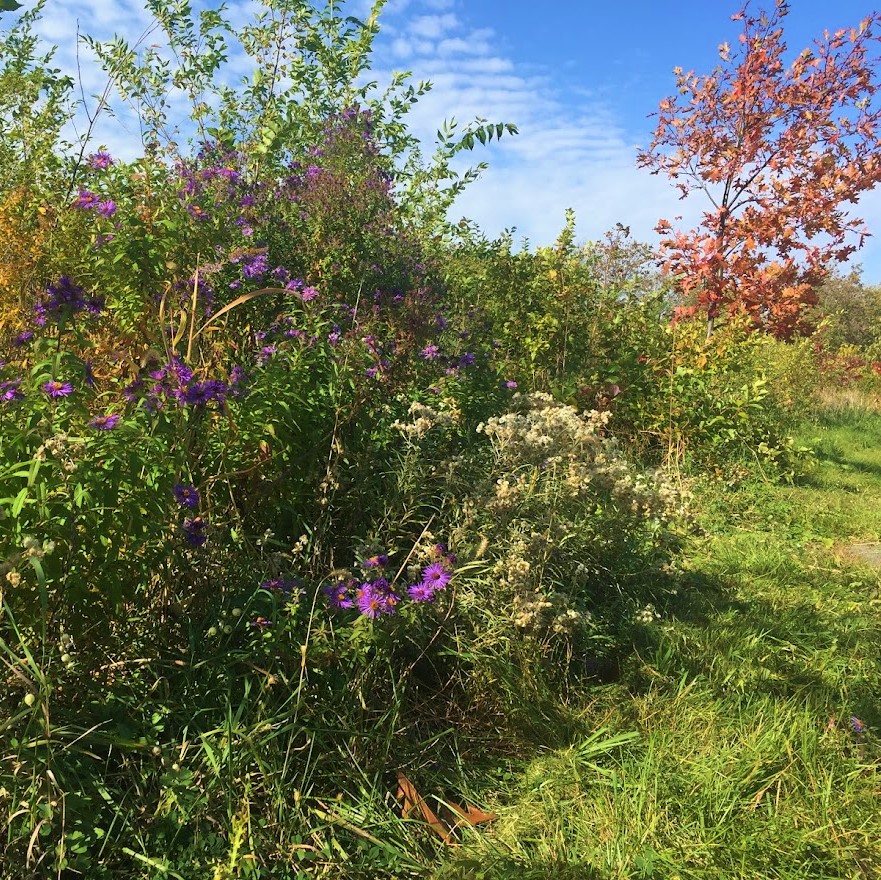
[{"x": 779, "y": 148}]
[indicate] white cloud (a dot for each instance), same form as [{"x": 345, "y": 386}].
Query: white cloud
[
  {"x": 402, "y": 48},
  {"x": 432, "y": 26}
]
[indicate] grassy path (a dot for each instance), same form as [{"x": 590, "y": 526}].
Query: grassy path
[{"x": 727, "y": 749}]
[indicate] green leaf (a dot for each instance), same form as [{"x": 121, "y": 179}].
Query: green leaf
[
  {"x": 9, "y": 5},
  {"x": 20, "y": 499}
]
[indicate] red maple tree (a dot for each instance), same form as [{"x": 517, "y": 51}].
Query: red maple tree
[{"x": 779, "y": 149}]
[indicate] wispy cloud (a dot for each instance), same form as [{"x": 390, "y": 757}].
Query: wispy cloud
[{"x": 572, "y": 150}]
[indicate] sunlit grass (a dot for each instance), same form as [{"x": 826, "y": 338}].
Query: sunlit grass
[{"x": 731, "y": 751}]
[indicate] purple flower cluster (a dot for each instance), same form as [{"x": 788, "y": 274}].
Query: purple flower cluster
[
  {"x": 10, "y": 391},
  {"x": 100, "y": 160},
  {"x": 204, "y": 292},
  {"x": 375, "y": 597},
  {"x": 194, "y": 531},
  {"x": 200, "y": 394},
  {"x": 186, "y": 495},
  {"x": 435, "y": 578},
  {"x": 283, "y": 587},
  {"x": 86, "y": 200},
  {"x": 105, "y": 423},
  {"x": 212, "y": 188},
  {"x": 64, "y": 298},
  {"x": 254, "y": 266},
  {"x": 379, "y": 560},
  {"x": 23, "y": 338},
  {"x": 175, "y": 381},
  {"x": 340, "y": 593}
]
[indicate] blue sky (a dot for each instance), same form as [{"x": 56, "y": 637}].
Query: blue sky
[{"x": 578, "y": 78}]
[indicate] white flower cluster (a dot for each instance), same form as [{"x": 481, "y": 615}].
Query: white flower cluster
[
  {"x": 424, "y": 418},
  {"x": 32, "y": 548},
  {"x": 535, "y": 609},
  {"x": 59, "y": 447},
  {"x": 557, "y": 439},
  {"x": 646, "y": 615},
  {"x": 541, "y": 613}
]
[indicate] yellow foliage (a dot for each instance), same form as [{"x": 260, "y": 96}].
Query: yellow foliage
[{"x": 21, "y": 247}]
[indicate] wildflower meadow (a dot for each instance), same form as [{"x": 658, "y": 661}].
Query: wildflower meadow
[{"x": 306, "y": 490}]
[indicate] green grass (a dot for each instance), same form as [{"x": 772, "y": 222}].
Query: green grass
[{"x": 725, "y": 750}]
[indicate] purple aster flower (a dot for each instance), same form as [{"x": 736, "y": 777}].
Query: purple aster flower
[
  {"x": 371, "y": 372},
  {"x": 255, "y": 265},
  {"x": 86, "y": 200},
  {"x": 282, "y": 587},
  {"x": 186, "y": 495},
  {"x": 370, "y": 602},
  {"x": 66, "y": 297},
  {"x": 194, "y": 531},
  {"x": 308, "y": 294},
  {"x": 436, "y": 576},
  {"x": 105, "y": 423},
  {"x": 510, "y": 384},
  {"x": 100, "y": 160},
  {"x": 380, "y": 560},
  {"x": 857, "y": 725},
  {"x": 441, "y": 552},
  {"x": 107, "y": 208},
  {"x": 10, "y": 391},
  {"x": 266, "y": 352},
  {"x": 421, "y": 592},
  {"x": 198, "y": 394},
  {"x": 88, "y": 374},
  {"x": 430, "y": 352},
  {"x": 237, "y": 379},
  {"x": 198, "y": 213},
  {"x": 338, "y": 595},
  {"x": 182, "y": 372},
  {"x": 23, "y": 338},
  {"x": 281, "y": 274},
  {"x": 64, "y": 293},
  {"x": 466, "y": 360},
  {"x": 376, "y": 599},
  {"x": 54, "y": 388}
]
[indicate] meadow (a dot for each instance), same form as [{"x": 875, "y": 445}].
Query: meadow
[{"x": 321, "y": 517}]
